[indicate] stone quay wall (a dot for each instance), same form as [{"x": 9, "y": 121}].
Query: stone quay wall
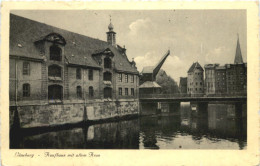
[{"x": 70, "y": 113}]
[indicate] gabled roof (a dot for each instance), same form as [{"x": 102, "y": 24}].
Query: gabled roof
[
  {"x": 150, "y": 84},
  {"x": 78, "y": 49},
  {"x": 194, "y": 66}
]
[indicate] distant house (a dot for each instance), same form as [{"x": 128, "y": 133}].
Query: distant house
[
  {"x": 183, "y": 85},
  {"x": 52, "y": 65},
  {"x": 195, "y": 79}
]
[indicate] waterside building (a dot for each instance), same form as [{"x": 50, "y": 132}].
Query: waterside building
[{"x": 54, "y": 73}]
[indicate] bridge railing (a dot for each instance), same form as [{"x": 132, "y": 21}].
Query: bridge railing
[{"x": 181, "y": 95}]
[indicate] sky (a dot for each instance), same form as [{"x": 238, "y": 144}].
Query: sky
[{"x": 206, "y": 36}]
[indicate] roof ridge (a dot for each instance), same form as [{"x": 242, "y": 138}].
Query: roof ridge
[{"x": 56, "y": 27}]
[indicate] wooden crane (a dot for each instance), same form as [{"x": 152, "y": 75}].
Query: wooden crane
[{"x": 149, "y": 72}]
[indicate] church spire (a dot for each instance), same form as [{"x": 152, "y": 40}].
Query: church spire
[
  {"x": 238, "y": 56},
  {"x": 111, "y": 35}
]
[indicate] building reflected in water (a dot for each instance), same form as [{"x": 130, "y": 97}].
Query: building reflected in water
[{"x": 183, "y": 128}]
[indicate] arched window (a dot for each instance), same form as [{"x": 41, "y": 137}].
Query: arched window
[
  {"x": 91, "y": 91},
  {"x": 107, "y": 76},
  {"x": 55, "y": 92},
  {"x": 54, "y": 71},
  {"x": 55, "y": 53},
  {"x": 107, "y": 63},
  {"x": 26, "y": 68},
  {"x": 26, "y": 90},
  {"x": 79, "y": 92},
  {"x": 107, "y": 92}
]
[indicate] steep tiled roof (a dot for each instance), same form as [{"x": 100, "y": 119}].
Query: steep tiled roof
[
  {"x": 150, "y": 84},
  {"x": 78, "y": 49},
  {"x": 194, "y": 66}
]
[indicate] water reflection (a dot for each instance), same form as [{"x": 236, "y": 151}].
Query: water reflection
[{"x": 219, "y": 127}]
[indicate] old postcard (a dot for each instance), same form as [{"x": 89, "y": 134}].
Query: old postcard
[{"x": 147, "y": 83}]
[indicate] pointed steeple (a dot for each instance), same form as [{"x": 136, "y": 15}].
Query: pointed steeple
[{"x": 238, "y": 56}]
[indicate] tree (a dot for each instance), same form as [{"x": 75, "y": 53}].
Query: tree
[{"x": 168, "y": 84}]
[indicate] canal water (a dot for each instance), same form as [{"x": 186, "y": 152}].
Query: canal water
[{"x": 220, "y": 128}]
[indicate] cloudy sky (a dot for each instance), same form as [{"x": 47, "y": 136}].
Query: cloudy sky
[{"x": 206, "y": 36}]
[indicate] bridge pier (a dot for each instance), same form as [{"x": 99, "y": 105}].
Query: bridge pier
[
  {"x": 199, "y": 109},
  {"x": 238, "y": 110},
  {"x": 174, "y": 107},
  {"x": 148, "y": 108}
]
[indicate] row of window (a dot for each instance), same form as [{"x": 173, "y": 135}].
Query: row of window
[
  {"x": 223, "y": 83},
  {"x": 241, "y": 73},
  {"x": 26, "y": 91},
  {"x": 79, "y": 92},
  {"x": 78, "y": 74},
  {"x": 120, "y": 78},
  {"x": 120, "y": 91},
  {"x": 219, "y": 73},
  {"x": 196, "y": 89},
  {"x": 196, "y": 83},
  {"x": 198, "y": 73},
  {"x": 222, "y": 74},
  {"x": 198, "y": 78},
  {"x": 56, "y": 71},
  {"x": 223, "y": 78}
]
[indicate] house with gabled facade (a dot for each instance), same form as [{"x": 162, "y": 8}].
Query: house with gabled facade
[{"x": 195, "y": 80}]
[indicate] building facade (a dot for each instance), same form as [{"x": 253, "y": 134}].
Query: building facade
[
  {"x": 51, "y": 66},
  {"x": 221, "y": 85},
  {"x": 210, "y": 78},
  {"x": 236, "y": 78},
  {"x": 195, "y": 80},
  {"x": 183, "y": 85}
]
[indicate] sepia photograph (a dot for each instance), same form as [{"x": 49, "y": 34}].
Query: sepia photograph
[{"x": 128, "y": 79}]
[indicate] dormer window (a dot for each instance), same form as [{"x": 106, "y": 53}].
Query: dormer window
[
  {"x": 107, "y": 63},
  {"x": 55, "y": 53}
]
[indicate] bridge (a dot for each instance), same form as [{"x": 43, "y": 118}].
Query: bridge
[
  {"x": 152, "y": 103},
  {"x": 240, "y": 97}
]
